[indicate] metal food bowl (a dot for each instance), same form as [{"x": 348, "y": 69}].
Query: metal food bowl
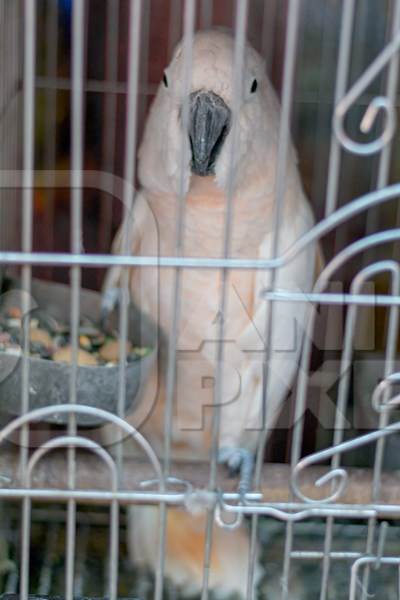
[{"x": 49, "y": 381}]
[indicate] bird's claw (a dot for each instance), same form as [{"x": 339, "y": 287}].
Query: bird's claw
[
  {"x": 109, "y": 302},
  {"x": 239, "y": 461}
]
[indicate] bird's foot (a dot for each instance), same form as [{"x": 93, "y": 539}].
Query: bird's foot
[
  {"x": 109, "y": 302},
  {"x": 239, "y": 461}
]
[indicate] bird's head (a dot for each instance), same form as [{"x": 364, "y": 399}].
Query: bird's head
[{"x": 208, "y": 130}]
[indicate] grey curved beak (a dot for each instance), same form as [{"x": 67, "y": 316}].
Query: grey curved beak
[{"x": 209, "y": 124}]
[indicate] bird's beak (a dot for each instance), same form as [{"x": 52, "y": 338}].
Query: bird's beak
[{"x": 209, "y": 124}]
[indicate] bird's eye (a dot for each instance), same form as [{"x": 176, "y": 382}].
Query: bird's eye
[
  {"x": 254, "y": 86},
  {"x": 165, "y": 80}
]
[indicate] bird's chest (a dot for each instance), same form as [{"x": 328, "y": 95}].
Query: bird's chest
[
  {"x": 202, "y": 295},
  {"x": 201, "y": 290}
]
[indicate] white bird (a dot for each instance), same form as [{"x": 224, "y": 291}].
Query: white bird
[{"x": 153, "y": 231}]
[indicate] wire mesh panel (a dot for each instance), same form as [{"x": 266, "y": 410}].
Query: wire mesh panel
[{"x": 120, "y": 418}]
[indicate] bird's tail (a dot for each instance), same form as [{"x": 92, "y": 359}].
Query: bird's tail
[{"x": 184, "y": 551}]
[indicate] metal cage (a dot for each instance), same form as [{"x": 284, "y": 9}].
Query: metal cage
[{"x": 69, "y": 126}]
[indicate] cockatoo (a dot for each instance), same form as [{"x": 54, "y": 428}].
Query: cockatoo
[{"x": 153, "y": 230}]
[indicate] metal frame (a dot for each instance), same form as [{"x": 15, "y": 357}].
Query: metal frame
[{"x": 170, "y": 491}]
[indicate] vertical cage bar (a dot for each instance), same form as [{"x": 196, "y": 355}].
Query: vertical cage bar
[
  {"x": 3, "y": 238},
  {"x": 242, "y": 7},
  {"x": 343, "y": 393},
  {"x": 371, "y": 225},
  {"x": 27, "y": 206},
  {"x": 389, "y": 89},
  {"x": 135, "y": 22},
  {"x": 174, "y": 25},
  {"x": 81, "y": 561},
  {"x": 46, "y": 572},
  {"x": 240, "y": 45},
  {"x": 335, "y": 155},
  {"x": 114, "y": 541},
  {"x": 77, "y": 141},
  {"x": 109, "y": 129},
  {"x": 398, "y": 582},
  {"x": 338, "y": 436},
  {"x": 134, "y": 28},
  {"x": 189, "y": 21},
  {"x": 283, "y": 149},
  {"x": 188, "y": 40},
  {"x": 346, "y": 32},
  {"x": 327, "y": 63},
  {"x": 384, "y": 417},
  {"x": 145, "y": 88},
  {"x": 50, "y": 147},
  {"x": 135, "y": 16},
  {"x": 129, "y": 183},
  {"x": 12, "y": 583},
  {"x": 12, "y": 60},
  {"x": 3, "y": 99},
  {"x": 391, "y": 93},
  {"x": 282, "y": 157},
  {"x": 268, "y": 32}
]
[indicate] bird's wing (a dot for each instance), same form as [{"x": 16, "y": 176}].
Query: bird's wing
[
  {"x": 134, "y": 227},
  {"x": 244, "y": 416}
]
